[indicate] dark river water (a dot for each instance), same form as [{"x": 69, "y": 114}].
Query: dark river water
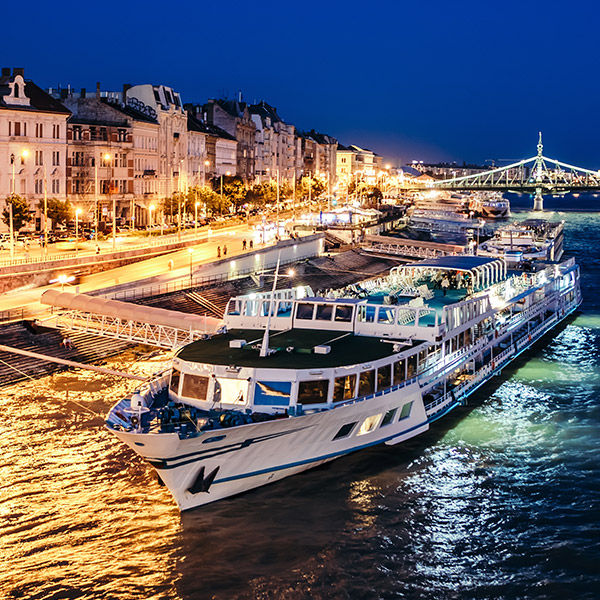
[{"x": 501, "y": 500}]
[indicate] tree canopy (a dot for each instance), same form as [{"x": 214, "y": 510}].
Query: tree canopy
[
  {"x": 59, "y": 211},
  {"x": 20, "y": 212}
]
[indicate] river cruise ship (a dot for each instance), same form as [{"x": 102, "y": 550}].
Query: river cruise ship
[
  {"x": 298, "y": 380},
  {"x": 532, "y": 239}
]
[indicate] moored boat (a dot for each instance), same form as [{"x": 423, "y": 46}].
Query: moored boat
[{"x": 299, "y": 380}]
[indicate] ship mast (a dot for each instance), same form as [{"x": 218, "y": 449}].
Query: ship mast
[{"x": 264, "y": 348}]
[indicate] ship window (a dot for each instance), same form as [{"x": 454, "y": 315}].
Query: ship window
[
  {"x": 405, "y": 412},
  {"x": 324, "y": 312},
  {"x": 468, "y": 337},
  {"x": 345, "y": 431},
  {"x": 384, "y": 377},
  {"x": 399, "y": 371},
  {"x": 231, "y": 391},
  {"x": 284, "y": 309},
  {"x": 313, "y": 392},
  {"x": 305, "y": 311},
  {"x": 175, "y": 377},
  {"x": 366, "y": 313},
  {"x": 264, "y": 308},
  {"x": 388, "y": 417},
  {"x": 343, "y": 313},
  {"x": 195, "y": 386},
  {"x": 343, "y": 388},
  {"x": 369, "y": 424},
  {"x": 386, "y": 314},
  {"x": 272, "y": 393},
  {"x": 366, "y": 383},
  {"x": 412, "y": 366}
]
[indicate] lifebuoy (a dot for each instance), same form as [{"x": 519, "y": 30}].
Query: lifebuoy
[
  {"x": 529, "y": 337},
  {"x": 493, "y": 365}
]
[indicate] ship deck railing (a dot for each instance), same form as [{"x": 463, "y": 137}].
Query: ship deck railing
[{"x": 497, "y": 363}]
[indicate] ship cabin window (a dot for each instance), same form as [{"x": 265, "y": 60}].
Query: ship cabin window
[
  {"x": 344, "y": 387},
  {"x": 386, "y": 314},
  {"x": 366, "y": 383},
  {"x": 233, "y": 307},
  {"x": 399, "y": 371},
  {"x": 343, "y": 313},
  {"x": 284, "y": 309},
  {"x": 304, "y": 311},
  {"x": 388, "y": 417},
  {"x": 454, "y": 344},
  {"x": 468, "y": 337},
  {"x": 405, "y": 412},
  {"x": 366, "y": 313},
  {"x": 411, "y": 366},
  {"x": 384, "y": 377},
  {"x": 369, "y": 424},
  {"x": 461, "y": 339},
  {"x": 313, "y": 392},
  {"x": 324, "y": 312},
  {"x": 264, "y": 308},
  {"x": 345, "y": 431},
  {"x": 195, "y": 386},
  {"x": 175, "y": 377}
]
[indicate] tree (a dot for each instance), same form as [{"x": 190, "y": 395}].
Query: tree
[
  {"x": 59, "y": 211},
  {"x": 20, "y": 212},
  {"x": 173, "y": 205},
  {"x": 207, "y": 197},
  {"x": 232, "y": 188},
  {"x": 315, "y": 185}
]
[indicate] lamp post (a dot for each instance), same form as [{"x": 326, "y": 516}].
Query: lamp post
[
  {"x": 108, "y": 158},
  {"x": 77, "y": 213},
  {"x": 45, "y": 213},
  {"x": 277, "y": 203},
  {"x": 196, "y": 219},
  {"x": 13, "y": 159},
  {"x": 191, "y": 253},
  {"x": 206, "y": 165},
  {"x": 150, "y": 209}
]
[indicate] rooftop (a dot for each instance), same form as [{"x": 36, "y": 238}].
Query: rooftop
[{"x": 346, "y": 349}]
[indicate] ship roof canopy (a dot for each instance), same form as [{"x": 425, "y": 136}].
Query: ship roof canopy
[{"x": 485, "y": 270}]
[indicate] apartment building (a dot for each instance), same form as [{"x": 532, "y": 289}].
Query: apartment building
[{"x": 33, "y": 142}]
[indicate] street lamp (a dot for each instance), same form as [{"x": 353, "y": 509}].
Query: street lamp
[
  {"x": 206, "y": 165},
  {"x": 191, "y": 253},
  {"x": 196, "y": 218},
  {"x": 108, "y": 159},
  {"x": 13, "y": 159},
  {"x": 77, "y": 213},
  {"x": 150, "y": 209}
]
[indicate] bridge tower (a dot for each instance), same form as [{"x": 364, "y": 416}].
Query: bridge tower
[{"x": 538, "y": 169}]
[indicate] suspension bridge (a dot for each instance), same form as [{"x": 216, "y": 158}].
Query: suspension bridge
[{"x": 536, "y": 175}]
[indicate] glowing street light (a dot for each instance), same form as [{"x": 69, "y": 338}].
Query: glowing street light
[
  {"x": 13, "y": 159},
  {"x": 150, "y": 209},
  {"x": 77, "y": 213},
  {"x": 196, "y": 218},
  {"x": 191, "y": 253}
]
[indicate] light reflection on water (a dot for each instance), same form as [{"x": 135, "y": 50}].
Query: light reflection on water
[{"x": 497, "y": 501}]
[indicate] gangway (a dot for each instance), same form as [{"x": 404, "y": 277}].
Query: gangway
[
  {"x": 159, "y": 327},
  {"x": 410, "y": 248}
]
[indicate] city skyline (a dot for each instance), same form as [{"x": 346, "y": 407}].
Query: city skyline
[{"x": 471, "y": 83}]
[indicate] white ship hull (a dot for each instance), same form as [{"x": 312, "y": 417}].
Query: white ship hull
[{"x": 253, "y": 455}]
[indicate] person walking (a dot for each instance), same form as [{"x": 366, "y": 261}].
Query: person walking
[
  {"x": 218, "y": 251},
  {"x": 445, "y": 284},
  {"x": 251, "y": 244},
  {"x": 225, "y": 250},
  {"x": 243, "y": 244}
]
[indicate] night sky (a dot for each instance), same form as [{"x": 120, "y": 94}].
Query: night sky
[{"x": 463, "y": 81}]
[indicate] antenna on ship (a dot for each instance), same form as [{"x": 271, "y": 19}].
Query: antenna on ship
[{"x": 264, "y": 348}]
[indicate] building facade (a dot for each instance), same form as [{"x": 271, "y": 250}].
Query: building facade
[
  {"x": 33, "y": 143},
  {"x": 234, "y": 117}
]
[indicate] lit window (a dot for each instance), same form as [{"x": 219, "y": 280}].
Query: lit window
[{"x": 369, "y": 424}]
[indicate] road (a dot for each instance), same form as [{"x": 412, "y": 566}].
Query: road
[{"x": 231, "y": 237}]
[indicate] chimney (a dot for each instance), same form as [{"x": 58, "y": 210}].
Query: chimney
[
  {"x": 83, "y": 92},
  {"x": 239, "y": 96},
  {"x": 126, "y": 87},
  {"x": 98, "y": 90},
  {"x": 19, "y": 71},
  {"x": 64, "y": 94},
  {"x": 5, "y": 71}
]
